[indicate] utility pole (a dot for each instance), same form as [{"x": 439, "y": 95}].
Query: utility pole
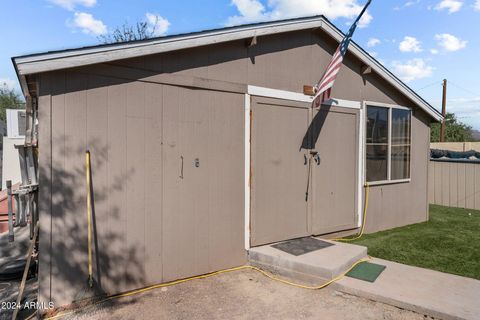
[{"x": 444, "y": 111}]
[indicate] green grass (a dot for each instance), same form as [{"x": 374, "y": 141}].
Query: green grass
[{"x": 448, "y": 242}]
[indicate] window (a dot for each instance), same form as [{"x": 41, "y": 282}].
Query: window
[{"x": 387, "y": 143}]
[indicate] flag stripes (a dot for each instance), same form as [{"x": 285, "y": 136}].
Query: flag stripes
[{"x": 324, "y": 86}]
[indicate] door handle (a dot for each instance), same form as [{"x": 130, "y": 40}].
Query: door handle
[{"x": 181, "y": 167}]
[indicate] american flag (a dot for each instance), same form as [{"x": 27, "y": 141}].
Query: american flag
[{"x": 324, "y": 86}]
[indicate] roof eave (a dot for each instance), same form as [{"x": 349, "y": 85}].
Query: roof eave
[{"x": 51, "y": 61}]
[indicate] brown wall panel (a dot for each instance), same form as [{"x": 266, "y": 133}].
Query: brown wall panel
[
  {"x": 153, "y": 183},
  {"x": 334, "y": 180},
  {"x": 387, "y": 208},
  {"x": 119, "y": 120},
  {"x": 45, "y": 193},
  {"x": 97, "y": 137},
  {"x": 119, "y": 176},
  {"x": 279, "y": 175},
  {"x": 203, "y": 206}
]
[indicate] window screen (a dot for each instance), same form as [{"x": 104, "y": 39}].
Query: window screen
[
  {"x": 388, "y": 143},
  {"x": 377, "y": 143},
  {"x": 400, "y": 154}
]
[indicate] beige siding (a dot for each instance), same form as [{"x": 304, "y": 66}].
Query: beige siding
[
  {"x": 395, "y": 205},
  {"x": 279, "y": 174},
  {"x": 455, "y": 184},
  {"x": 122, "y": 114},
  {"x": 146, "y": 231}
]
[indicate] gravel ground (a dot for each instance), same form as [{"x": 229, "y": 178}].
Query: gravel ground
[
  {"x": 241, "y": 295},
  {"x": 9, "y": 293}
]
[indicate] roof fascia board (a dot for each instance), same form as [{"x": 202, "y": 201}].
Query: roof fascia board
[
  {"x": 81, "y": 57},
  {"x": 102, "y": 54}
]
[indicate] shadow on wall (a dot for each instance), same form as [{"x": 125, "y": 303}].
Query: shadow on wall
[
  {"x": 315, "y": 128},
  {"x": 117, "y": 266}
]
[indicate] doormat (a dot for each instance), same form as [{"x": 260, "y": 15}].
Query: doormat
[
  {"x": 301, "y": 246},
  {"x": 366, "y": 271}
]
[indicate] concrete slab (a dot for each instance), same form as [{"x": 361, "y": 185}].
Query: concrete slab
[
  {"x": 312, "y": 268},
  {"x": 424, "y": 291}
]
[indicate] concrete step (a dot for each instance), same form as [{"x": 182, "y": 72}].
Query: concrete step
[{"x": 312, "y": 268}]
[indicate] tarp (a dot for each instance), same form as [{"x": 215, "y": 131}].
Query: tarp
[{"x": 438, "y": 154}]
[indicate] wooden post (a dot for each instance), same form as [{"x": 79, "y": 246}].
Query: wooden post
[
  {"x": 444, "y": 111},
  {"x": 11, "y": 235},
  {"x": 25, "y": 272}
]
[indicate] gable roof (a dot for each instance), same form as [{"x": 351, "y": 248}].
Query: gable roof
[{"x": 70, "y": 58}]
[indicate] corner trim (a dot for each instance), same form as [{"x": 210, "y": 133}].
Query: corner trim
[{"x": 247, "y": 170}]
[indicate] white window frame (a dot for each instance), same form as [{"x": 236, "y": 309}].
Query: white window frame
[{"x": 389, "y": 180}]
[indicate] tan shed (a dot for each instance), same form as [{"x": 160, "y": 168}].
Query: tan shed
[{"x": 196, "y": 151}]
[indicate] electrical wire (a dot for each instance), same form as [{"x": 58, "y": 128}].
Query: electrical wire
[
  {"x": 465, "y": 90},
  {"x": 429, "y": 85},
  {"x": 167, "y": 284}
]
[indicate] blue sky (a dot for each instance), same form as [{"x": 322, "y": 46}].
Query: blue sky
[{"x": 421, "y": 41}]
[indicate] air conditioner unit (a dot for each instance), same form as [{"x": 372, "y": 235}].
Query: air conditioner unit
[{"x": 16, "y": 123}]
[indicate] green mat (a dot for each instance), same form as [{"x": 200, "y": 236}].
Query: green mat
[{"x": 366, "y": 271}]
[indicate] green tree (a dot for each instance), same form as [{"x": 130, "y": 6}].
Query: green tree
[
  {"x": 455, "y": 130},
  {"x": 9, "y": 99}
]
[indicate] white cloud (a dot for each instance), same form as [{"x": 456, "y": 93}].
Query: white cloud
[
  {"x": 434, "y": 51},
  {"x": 373, "y": 53},
  {"x": 451, "y": 5},
  {"x": 411, "y": 3},
  {"x": 407, "y": 4},
  {"x": 412, "y": 69},
  {"x": 71, "y": 4},
  {"x": 157, "y": 24},
  {"x": 450, "y": 42},
  {"x": 410, "y": 44},
  {"x": 249, "y": 11},
  {"x": 8, "y": 83},
  {"x": 89, "y": 24},
  {"x": 476, "y": 6},
  {"x": 372, "y": 42},
  {"x": 254, "y": 10}
]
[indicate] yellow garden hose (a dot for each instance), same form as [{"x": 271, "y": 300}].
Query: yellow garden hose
[
  {"x": 89, "y": 218},
  {"x": 266, "y": 274},
  {"x": 208, "y": 275},
  {"x": 364, "y": 220}
]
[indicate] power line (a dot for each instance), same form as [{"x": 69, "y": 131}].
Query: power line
[
  {"x": 465, "y": 90},
  {"x": 429, "y": 85}
]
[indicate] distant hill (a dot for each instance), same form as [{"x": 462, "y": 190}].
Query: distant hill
[{"x": 476, "y": 135}]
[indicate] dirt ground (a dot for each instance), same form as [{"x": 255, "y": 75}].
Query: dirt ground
[
  {"x": 241, "y": 295},
  {"x": 9, "y": 293}
]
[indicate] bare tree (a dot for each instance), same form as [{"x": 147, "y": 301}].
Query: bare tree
[{"x": 140, "y": 31}]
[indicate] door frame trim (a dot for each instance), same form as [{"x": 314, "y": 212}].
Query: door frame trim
[
  {"x": 361, "y": 162},
  {"x": 247, "y": 183},
  {"x": 300, "y": 97}
]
